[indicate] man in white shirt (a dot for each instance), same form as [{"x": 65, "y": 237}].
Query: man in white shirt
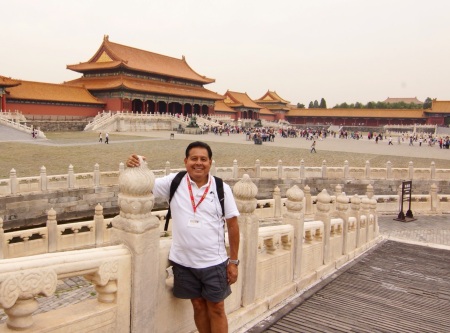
[{"x": 202, "y": 270}]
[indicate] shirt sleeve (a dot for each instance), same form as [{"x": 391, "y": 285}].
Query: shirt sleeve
[
  {"x": 231, "y": 209},
  {"x": 161, "y": 189}
]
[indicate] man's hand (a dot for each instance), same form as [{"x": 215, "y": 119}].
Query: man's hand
[
  {"x": 133, "y": 161},
  {"x": 232, "y": 273}
]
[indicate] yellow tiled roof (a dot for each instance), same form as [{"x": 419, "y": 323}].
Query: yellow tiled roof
[
  {"x": 271, "y": 96},
  {"x": 406, "y": 100},
  {"x": 113, "y": 55},
  {"x": 8, "y": 82},
  {"x": 360, "y": 113},
  {"x": 222, "y": 107},
  {"x": 148, "y": 86},
  {"x": 240, "y": 99},
  {"x": 40, "y": 91},
  {"x": 440, "y": 106},
  {"x": 266, "y": 111}
]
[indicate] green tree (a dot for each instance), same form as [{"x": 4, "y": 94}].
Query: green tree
[
  {"x": 300, "y": 106},
  {"x": 316, "y": 104},
  {"x": 427, "y": 104},
  {"x": 311, "y": 105},
  {"x": 323, "y": 103}
]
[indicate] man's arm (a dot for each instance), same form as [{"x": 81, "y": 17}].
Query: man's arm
[{"x": 233, "y": 239}]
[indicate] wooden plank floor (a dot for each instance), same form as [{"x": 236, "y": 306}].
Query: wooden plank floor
[{"x": 397, "y": 287}]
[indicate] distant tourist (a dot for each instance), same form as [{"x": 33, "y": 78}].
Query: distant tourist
[
  {"x": 106, "y": 138},
  {"x": 313, "y": 147},
  {"x": 100, "y": 137}
]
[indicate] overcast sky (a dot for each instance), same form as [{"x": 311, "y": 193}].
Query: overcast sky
[{"x": 341, "y": 50}]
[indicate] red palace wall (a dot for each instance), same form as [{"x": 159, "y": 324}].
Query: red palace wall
[{"x": 54, "y": 110}]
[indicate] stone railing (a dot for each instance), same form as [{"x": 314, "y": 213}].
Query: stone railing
[
  {"x": 119, "y": 121},
  {"x": 277, "y": 261},
  {"x": 19, "y": 185},
  {"x": 12, "y": 119}
]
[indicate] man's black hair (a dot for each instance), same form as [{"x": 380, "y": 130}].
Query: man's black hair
[{"x": 199, "y": 144}]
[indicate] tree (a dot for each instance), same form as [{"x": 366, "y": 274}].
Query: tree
[
  {"x": 311, "y": 105},
  {"x": 300, "y": 106},
  {"x": 316, "y": 104},
  {"x": 323, "y": 103},
  {"x": 427, "y": 104}
]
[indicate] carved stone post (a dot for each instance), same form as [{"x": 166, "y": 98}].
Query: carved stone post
[
  {"x": 295, "y": 217},
  {"x": 213, "y": 169},
  {"x": 342, "y": 206},
  {"x": 258, "y": 168},
  {"x": 434, "y": 199},
  {"x": 96, "y": 175},
  {"x": 70, "y": 177},
  {"x": 302, "y": 169},
  {"x": 433, "y": 171},
  {"x": 280, "y": 169},
  {"x": 308, "y": 202},
  {"x": 138, "y": 229},
  {"x": 346, "y": 170},
  {"x": 13, "y": 181},
  {"x": 410, "y": 170},
  {"x": 245, "y": 195},
  {"x": 235, "y": 169},
  {"x": 355, "y": 203},
  {"x": 388, "y": 170},
  {"x": 365, "y": 210},
  {"x": 167, "y": 169},
  {"x": 323, "y": 214},
  {"x": 99, "y": 225},
  {"x": 52, "y": 231},
  {"x": 367, "y": 170},
  {"x": 43, "y": 179},
  {"x": 324, "y": 169},
  {"x": 277, "y": 202}
]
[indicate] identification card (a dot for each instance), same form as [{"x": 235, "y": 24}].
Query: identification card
[{"x": 193, "y": 223}]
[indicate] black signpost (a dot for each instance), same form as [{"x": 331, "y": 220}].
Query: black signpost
[{"x": 406, "y": 196}]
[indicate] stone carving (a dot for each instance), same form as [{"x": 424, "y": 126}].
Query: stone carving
[
  {"x": 323, "y": 202},
  {"x": 107, "y": 271},
  {"x": 136, "y": 200},
  {"x": 294, "y": 203},
  {"x": 27, "y": 284},
  {"x": 245, "y": 195}
]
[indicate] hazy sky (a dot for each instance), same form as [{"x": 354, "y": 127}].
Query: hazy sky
[{"x": 341, "y": 50}]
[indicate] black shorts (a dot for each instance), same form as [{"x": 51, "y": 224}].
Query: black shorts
[{"x": 210, "y": 283}]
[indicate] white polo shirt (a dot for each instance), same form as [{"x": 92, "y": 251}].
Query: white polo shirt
[{"x": 197, "y": 238}]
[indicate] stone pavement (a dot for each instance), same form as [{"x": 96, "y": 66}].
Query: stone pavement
[{"x": 429, "y": 230}]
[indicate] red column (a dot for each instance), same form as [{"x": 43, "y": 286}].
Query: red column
[
  {"x": 4, "y": 102},
  {"x": 182, "y": 109}
]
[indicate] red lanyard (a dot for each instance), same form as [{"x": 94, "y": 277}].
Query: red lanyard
[{"x": 194, "y": 206}]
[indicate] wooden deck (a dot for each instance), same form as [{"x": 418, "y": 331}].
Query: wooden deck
[{"x": 397, "y": 287}]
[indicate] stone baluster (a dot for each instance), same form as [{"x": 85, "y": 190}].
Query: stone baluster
[
  {"x": 369, "y": 191},
  {"x": 410, "y": 170},
  {"x": 213, "y": 169},
  {"x": 355, "y": 203},
  {"x": 323, "y": 214},
  {"x": 342, "y": 205},
  {"x": 99, "y": 225},
  {"x": 277, "y": 202},
  {"x": 434, "y": 199},
  {"x": 2, "y": 241},
  {"x": 295, "y": 217},
  {"x": 433, "y": 170},
  {"x": 302, "y": 169},
  {"x": 324, "y": 169},
  {"x": 365, "y": 210},
  {"x": 388, "y": 170},
  {"x": 96, "y": 175},
  {"x": 235, "y": 169},
  {"x": 245, "y": 192},
  {"x": 105, "y": 281},
  {"x": 280, "y": 169},
  {"x": 308, "y": 202},
  {"x": 52, "y": 231},
  {"x": 13, "y": 181},
  {"x": 18, "y": 292},
  {"x": 167, "y": 168},
  {"x": 373, "y": 212},
  {"x": 258, "y": 168},
  {"x": 121, "y": 167},
  {"x": 346, "y": 170},
  {"x": 138, "y": 229},
  {"x": 70, "y": 177},
  {"x": 367, "y": 170},
  {"x": 338, "y": 190},
  {"x": 43, "y": 179}
]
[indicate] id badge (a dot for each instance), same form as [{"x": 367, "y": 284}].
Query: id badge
[{"x": 193, "y": 223}]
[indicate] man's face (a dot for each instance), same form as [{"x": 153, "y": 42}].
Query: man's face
[{"x": 198, "y": 164}]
